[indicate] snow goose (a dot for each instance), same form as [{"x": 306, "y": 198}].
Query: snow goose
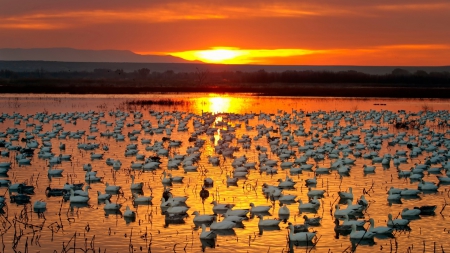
[
  {"x": 129, "y": 213},
  {"x": 259, "y": 209},
  {"x": 307, "y": 206},
  {"x": 346, "y": 195},
  {"x": 205, "y": 218},
  {"x": 136, "y": 186},
  {"x": 267, "y": 222},
  {"x": 361, "y": 235},
  {"x": 103, "y": 196},
  {"x": 111, "y": 206},
  {"x": 142, "y": 200},
  {"x": 301, "y": 236},
  {"x": 410, "y": 213},
  {"x": 225, "y": 224},
  {"x": 207, "y": 235},
  {"x": 340, "y": 213},
  {"x": 379, "y": 229},
  {"x": 219, "y": 208},
  {"x": 112, "y": 188},
  {"x": 396, "y": 222},
  {"x": 77, "y": 199}
]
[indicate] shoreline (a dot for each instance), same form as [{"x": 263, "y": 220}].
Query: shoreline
[{"x": 328, "y": 90}]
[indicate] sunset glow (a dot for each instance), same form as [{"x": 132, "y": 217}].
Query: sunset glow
[
  {"x": 241, "y": 56},
  {"x": 283, "y": 32}
]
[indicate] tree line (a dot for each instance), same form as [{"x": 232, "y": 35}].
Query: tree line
[{"x": 204, "y": 77}]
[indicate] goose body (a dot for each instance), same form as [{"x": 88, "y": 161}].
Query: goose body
[
  {"x": 142, "y": 200},
  {"x": 129, "y": 213},
  {"x": 307, "y": 206},
  {"x": 301, "y": 236},
  {"x": 39, "y": 206},
  {"x": 410, "y": 212},
  {"x": 77, "y": 199},
  {"x": 103, "y": 196},
  {"x": 111, "y": 188},
  {"x": 346, "y": 195},
  {"x": 358, "y": 223},
  {"x": 203, "y": 218},
  {"x": 340, "y": 213},
  {"x": 111, "y": 206},
  {"x": 318, "y": 193},
  {"x": 233, "y": 218},
  {"x": 267, "y": 222},
  {"x": 361, "y": 235},
  {"x": 136, "y": 186},
  {"x": 222, "y": 225},
  {"x": 396, "y": 222},
  {"x": 237, "y": 212},
  {"x": 177, "y": 210},
  {"x": 283, "y": 211},
  {"x": 84, "y": 193},
  {"x": 259, "y": 209},
  {"x": 54, "y": 172},
  {"x": 379, "y": 229},
  {"x": 207, "y": 235},
  {"x": 221, "y": 207}
]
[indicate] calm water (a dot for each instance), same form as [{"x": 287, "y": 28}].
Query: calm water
[{"x": 150, "y": 232}]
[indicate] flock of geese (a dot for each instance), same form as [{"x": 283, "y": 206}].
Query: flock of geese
[{"x": 287, "y": 143}]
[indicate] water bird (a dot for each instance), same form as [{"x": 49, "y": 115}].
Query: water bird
[{"x": 379, "y": 229}]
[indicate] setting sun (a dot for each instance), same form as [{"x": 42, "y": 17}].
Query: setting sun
[
  {"x": 214, "y": 55},
  {"x": 232, "y": 55}
]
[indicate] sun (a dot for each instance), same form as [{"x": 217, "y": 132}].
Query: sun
[
  {"x": 217, "y": 55},
  {"x": 223, "y": 55}
]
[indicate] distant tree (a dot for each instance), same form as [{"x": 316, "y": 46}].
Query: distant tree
[
  {"x": 143, "y": 73},
  {"x": 421, "y": 73},
  {"x": 5, "y": 73},
  {"x": 400, "y": 72}
]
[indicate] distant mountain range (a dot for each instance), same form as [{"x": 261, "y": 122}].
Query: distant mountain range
[
  {"x": 79, "y": 55},
  {"x": 69, "y": 59}
]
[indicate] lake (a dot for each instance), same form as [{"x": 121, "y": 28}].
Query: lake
[{"x": 319, "y": 128}]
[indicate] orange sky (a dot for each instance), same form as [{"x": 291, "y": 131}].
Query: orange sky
[{"x": 315, "y": 32}]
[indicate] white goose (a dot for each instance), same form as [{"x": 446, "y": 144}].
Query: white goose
[
  {"x": 284, "y": 211},
  {"x": 259, "y": 209},
  {"x": 346, "y": 195},
  {"x": 203, "y": 218},
  {"x": 111, "y": 188},
  {"x": 221, "y": 207},
  {"x": 396, "y": 222},
  {"x": 39, "y": 206},
  {"x": 136, "y": 186},
  {"x": 111, "y": 206},
  {"x": 379, "y": 229},
  {"x": 361, "y": 235},
  {"x": 233, "y": 218},
  {"x": 77, "y": 199},
  {"x": 129, "y": 213},
  {"x": 222, "y": 225},
  {"x": 207, "y": 235},
  {"x": 306, "y": 206},
  {"x": 406, "y": 212},
  {"x": 267, "y": 222},
  {"x": 301, "y": 236},
  {"x": 166, "y": 180},
  {"x": 103, "y": 196},
  {"x": 54, "y": 172},
  {"x": 84, "y": 193},
  {"x": 142, "y": 200},
  {"x": 340, "y": 213}
]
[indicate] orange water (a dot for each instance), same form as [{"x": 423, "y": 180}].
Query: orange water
[{"x": 114, "y": 234}]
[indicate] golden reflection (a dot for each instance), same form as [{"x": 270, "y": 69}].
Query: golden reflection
[{"x": 219, "y": 104}]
